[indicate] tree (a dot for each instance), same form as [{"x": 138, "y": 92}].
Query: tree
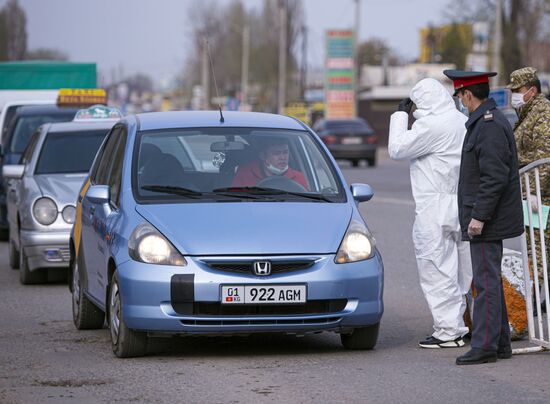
[
  {"x": 455, "y": 46},
  {"x": 46, "y": 54},
  {"x": 223, "y": 26},
  {"x": 525, "y": 27},
  {"x": 16, "y": 25},
  {"x": 373, "y": 52}
]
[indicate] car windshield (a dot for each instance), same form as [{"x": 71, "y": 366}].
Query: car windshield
[
  {"x": 232, "y": 165},
  {"x": 348, "y": 125},
  {"x": 26, "y": 125},
  {"x": 69, "y": 152}
]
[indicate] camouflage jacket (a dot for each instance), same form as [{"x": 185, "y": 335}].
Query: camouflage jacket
[{"x": 532, "y": 134}]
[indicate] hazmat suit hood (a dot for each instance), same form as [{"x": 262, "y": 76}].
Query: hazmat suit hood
[{"x": 431, "y": 98}]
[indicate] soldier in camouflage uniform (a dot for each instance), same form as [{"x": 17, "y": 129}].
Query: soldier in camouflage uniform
[{"x": 532, "y": 134}]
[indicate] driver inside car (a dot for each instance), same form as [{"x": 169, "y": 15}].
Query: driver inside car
[{"x": 272, "y": 162}]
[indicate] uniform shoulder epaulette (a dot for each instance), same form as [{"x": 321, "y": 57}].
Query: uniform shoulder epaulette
[{"x": 488, "y": 116}]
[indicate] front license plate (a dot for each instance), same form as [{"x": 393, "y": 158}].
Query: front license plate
[
  {"x": 263, "y": 294},
  {"x": 352, "y": 140}
]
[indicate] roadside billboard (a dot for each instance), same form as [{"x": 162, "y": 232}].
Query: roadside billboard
[{"x": 340, "y": 74}]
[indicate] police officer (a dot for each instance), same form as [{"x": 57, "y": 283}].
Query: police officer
[
  {"x": 490, "y": 210},
  {"x": 532, "y": 133}
]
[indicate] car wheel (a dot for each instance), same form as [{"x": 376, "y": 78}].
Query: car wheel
[
  {"x": 26, "y": 277},
  {"x": 371, "y": 161},
  {"x": 13, "y": 256},
  {"x": 361, "y": 338},
  {"x": 86, "y": 315},
  {"x": 355, "y": 163},
  {"x": 126, "y": 343}
]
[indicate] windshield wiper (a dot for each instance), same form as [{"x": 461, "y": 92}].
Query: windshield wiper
[
  {"x": 168, "y": 189},
  {"x": 272, "y": 191}
]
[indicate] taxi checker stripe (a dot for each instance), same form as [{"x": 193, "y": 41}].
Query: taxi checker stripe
[{"x": 78, "y": 221}]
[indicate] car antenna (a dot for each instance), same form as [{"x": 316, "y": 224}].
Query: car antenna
[{"x": 222, "y": 120}]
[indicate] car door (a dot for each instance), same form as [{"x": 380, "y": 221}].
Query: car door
[
  {"x": 15, "y": 192},
  {"x": 91, "y": 246},
  {"x": 109, "y": 219}
]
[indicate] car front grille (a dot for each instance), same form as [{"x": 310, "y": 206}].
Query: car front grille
[
  {"x": 65, "y": 254},
  {"x": 218, "y": 309},
  {"x": 247, "y": 266}
]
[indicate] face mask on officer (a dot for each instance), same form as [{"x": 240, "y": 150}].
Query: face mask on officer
[
  {"x": 460, "y": 106},
  {"x": 518, "y": 99}
]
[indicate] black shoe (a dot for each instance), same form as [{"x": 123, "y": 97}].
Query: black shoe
[
  {"x": 504, "y": 352},
  {"x": 431, "y": 342},
  {"x": 476, "y": 357}
]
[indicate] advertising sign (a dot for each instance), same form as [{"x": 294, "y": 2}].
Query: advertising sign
[
  {"x": 70, "y": 97},
  {"x": 340, "y": 74}
]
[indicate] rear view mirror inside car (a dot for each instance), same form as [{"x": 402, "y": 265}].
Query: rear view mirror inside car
[{"x": 226, "y": 146}]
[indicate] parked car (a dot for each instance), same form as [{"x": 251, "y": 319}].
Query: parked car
[
  {"x": 349, "y": 139},
  {"x": 43, "y": 190},
  {"x": 23, "y": 123},
  {"x": 183, "y": 227}
]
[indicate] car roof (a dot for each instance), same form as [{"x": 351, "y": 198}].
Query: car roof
[
  {"x": 82, "y": 126},
  {"x": 28, "y": 110},
  {"x": 201, "y": 119}
]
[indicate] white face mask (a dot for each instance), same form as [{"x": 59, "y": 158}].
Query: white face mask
[
  {"x": 274, "y": 170},
  {"x": 518, "y": 99},
  {"x": 462, "y": 108}
]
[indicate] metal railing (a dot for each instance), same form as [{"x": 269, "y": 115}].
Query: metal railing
[{"x": 539, "y": 330}]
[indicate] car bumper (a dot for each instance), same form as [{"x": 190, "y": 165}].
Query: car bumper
[
  {"x": 351, "y": 296},
  {"x": 353, "y": 151},
  {"x": 45, "y": 249}
]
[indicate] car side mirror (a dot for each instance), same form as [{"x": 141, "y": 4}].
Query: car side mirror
[
  {"x": 362, "y": 192},
  {"x": 98, "y": 194},
  {"x": 13, "y": 171}
]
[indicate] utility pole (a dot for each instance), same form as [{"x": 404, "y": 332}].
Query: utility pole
[
  {"x": 497, "y": 45},
  {"x": 303, "y": 72},
  {"x": 282, "y": 56},
  {"x": 244, "y": 65},
  {"x": 357, "y": 77},
  {"x": 205, "y": 77}
]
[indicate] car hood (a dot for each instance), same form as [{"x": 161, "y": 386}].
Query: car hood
[
  {"x": 63, "y": 188},
  {"x": 260, "y": 228}
]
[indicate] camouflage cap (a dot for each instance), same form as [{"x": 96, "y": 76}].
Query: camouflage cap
[{"x": 522, "y": 77}]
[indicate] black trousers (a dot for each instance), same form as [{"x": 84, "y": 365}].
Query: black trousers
[{"x": 490, "y": 322}]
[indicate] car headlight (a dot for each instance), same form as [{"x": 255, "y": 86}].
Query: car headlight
[
  {"x": 146, "y": 244},
  {"x": 357, "y": 244},
  {"x": 45, "y": 211},
  {"x": 68, "y": 214}
]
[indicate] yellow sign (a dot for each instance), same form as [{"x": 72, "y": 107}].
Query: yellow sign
[
  {"x": 297, "y": 110},
  {"x": 81, "y": 97}
]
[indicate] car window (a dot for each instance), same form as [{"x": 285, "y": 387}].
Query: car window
[
  {"x": 26, "y": 125},
  {"x": 100, "y": 177},
  {"x": 69, "y": 152},
  {"x": 214, "y": 161},
  {"x": 27, "y": 154},
  {"x": 10, "y": 112},
  {"x": 115, "y": 170}
]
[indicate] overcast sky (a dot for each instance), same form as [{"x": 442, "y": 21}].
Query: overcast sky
[{"x": 149, "y": 36}]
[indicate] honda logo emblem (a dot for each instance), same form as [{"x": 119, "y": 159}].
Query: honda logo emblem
[{"x": 262, "y": 268}]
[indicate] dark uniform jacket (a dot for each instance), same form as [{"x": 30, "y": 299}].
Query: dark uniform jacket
[{"x": 488, "y": 186}]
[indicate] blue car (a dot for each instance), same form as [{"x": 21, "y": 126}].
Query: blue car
[{"x": 191, "y": 223}]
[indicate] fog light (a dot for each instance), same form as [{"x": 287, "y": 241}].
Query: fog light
[{"x": 53, "y": 255}]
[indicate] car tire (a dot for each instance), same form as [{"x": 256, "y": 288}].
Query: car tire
[
  {"x": 361, "y": 338},
  {"x": 26, "y": 277},
  {"x": 86, "y": 315},
  {"x": 126, "y": 343},
  {"x": 355, "y": 163},
  {"x": 13, "y": 256},
  {"x": 371, "y": 161}
]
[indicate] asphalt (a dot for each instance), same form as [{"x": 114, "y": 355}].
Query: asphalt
[{"x": 44, "y": 359}]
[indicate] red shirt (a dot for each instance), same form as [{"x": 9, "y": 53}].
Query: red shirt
[{"x": 250, "y": 174}]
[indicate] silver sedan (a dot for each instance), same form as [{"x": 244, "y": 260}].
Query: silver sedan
[{"x": 42, "y": 194}]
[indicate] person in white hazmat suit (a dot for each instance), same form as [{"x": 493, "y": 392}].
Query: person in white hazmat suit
[{"x": 433, "y": 145}]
